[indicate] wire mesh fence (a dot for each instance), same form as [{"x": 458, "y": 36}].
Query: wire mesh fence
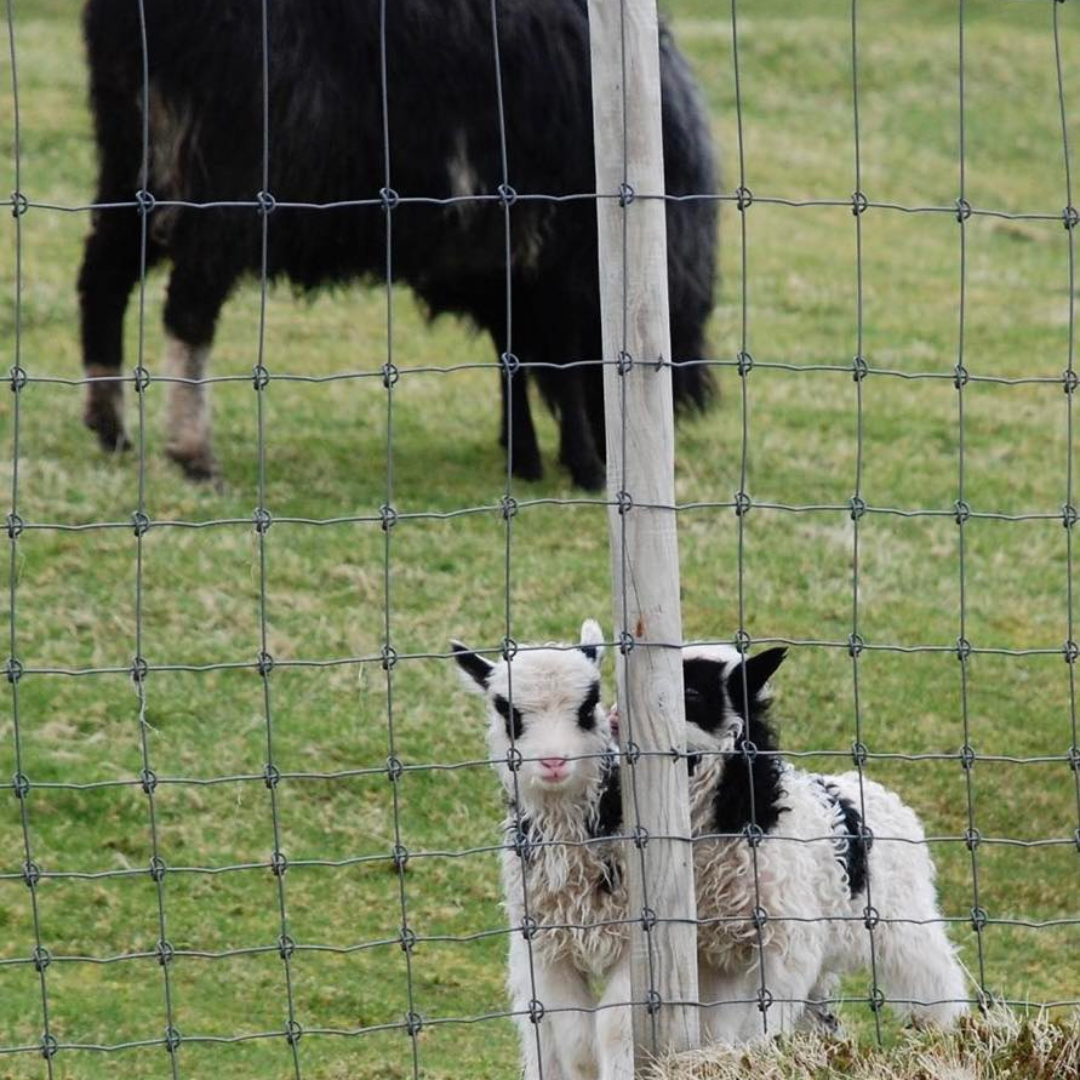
[{"x": 404, "y": 966}]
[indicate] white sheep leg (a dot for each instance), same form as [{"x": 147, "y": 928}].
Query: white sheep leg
[
  {"x": 917, "y": 963},
  {"x": 614, "y": 1026}
]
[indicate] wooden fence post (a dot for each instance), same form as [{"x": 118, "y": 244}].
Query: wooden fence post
[{"x": 644, "y": 548}]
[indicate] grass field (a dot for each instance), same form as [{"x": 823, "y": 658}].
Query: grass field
[{"x": 326, "y": 455}]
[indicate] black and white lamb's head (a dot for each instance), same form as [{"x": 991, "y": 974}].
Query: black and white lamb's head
[
  {"x": 727, "y": 698},
  {"x": 545, "y": 704}
]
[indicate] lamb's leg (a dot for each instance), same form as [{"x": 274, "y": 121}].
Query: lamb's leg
[
  {"x": 522, "y": 447},
  {"x": 577, "y": 448},
  {"x": 201, "y": 279},
  {"x": 729, "y": 1004},
  {"x": 568, "y": 1028},
  {"x": 920, "y": 974},
  {"x": 820, "y": 1015},
  {"x": 539, "y": 1047},
  {"x": 614, "y": 1026}
]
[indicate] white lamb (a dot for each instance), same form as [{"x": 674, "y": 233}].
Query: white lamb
[
  {"x": 812, "y": 874},
  {"x": 564, "y": 886}
]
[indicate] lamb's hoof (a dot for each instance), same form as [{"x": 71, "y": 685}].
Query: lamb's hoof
[
  {"x": 527, "y": 468},
  {"x": 829, "y": 1022},
  {"x": 198, "y": 464},
  {"x": 102, "y": 417}
]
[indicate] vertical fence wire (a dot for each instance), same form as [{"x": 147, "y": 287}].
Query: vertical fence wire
[
  {"x": 413, "y": 1018},
  {"x": 1069, "y": 513},
  {"x": 31, "y": 872},
  {"x": 963, "y": 512},
  {"x": 858, "y": 505},
  {"x": 260, "y": 381},
  {"x": 148, "y": 777}
]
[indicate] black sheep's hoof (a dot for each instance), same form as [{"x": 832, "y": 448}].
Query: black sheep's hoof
[
  {"x": 199, "y": 465},
  {"x": 530, "y": 468},
  {"x": 102, "y": 416},
  {"x": 591, "y": 477}
]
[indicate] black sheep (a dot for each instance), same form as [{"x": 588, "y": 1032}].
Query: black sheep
[{"x": 326, "y": 146}]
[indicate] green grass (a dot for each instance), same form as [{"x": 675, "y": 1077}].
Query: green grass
[{"x": 326, "y": 450}]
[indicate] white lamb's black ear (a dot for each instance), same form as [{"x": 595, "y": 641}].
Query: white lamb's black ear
[
  {"x": 591, "y": 641},
  {"x": 759, "y": 670},
  {"x": 473, "y": 664}
]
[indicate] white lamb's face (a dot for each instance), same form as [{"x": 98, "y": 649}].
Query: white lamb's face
[{"x": 545, "y": 712}]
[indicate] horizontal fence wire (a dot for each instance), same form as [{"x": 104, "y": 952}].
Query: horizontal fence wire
[{"x": 25, "y": 865}]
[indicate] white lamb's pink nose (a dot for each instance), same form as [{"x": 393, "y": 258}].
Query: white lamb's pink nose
[{"x": 554, "y": 768}]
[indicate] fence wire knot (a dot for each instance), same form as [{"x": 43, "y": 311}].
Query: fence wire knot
[
  {"x": 1069, "y": 380},
  {"x": 536, "y": 1011},
  {"x": 633, "y": 753},
  {"x": 653, "y": 1001},
  {"x": 626, "y": 194},
  {"x": 18, "y": 378},
  {"x": 1070, "y": 216},
  {"x": 390, "y": 198},
  {"x": 262, "y": 519},
  {"x": 743, "y": 504},
  {"x": 395, "y": 768},
  {"x": 624, "y": 363},
  {"x": 1068, "y": 515},
  {"x": 19, "y": 204},
  {"x": 626, "y": 642},
  {"x": 859, "y": 203},
  {"x": 522, "y": 845},
  {"x": 511, "y": 365},
  {"x": 42, "y": 958},
  {"x": 389, "y": 657},
  {"x": 157, "y": 868},
  {"x": 507, "y": 195},
  {"x": 960, "y": 376},
  {"x": 293, "y": 1032},
  {"x": 648, "y": 920},
  {"x": 266, "y": 202},
  {"x": 972, "y": 838},
  {"x": 624, "y": 501},
  {"x": 759, "y": 917},
  {"x": 749, "y": 752},
  {"x": 139, "y": 670},
  {"x": 641, "y": 837},
  {"x": 20, "y": 784},
  {"x": 49, "y": 1046},
  {"x": 961, "y": 511},
  {"x": 979, "y": 919},
  {"x": 963, "y": 649},
  {"x": 279, "y": 863},
  {"x": 963, "y": 210},
  {"x": 1072, "y": 652},
  {"x": 855, "y": 646},
  {"x": 1076, "y": 839},
  {"x": 513, "y": 759},
  {"x": 407, "y": 940},
  {"x": 140, "y": 378},
  {"x": 145, "y": 202},
  {"x": 172, "y": 1039},
  {"x": 509, "y": 649},
  {"x": 260, "y": 377},
  {"x": 15, "y": 525},
  {"x": 1073, "y": 756},
  {"x": 967, "y": 757},
  {"x": 140, "y": 522},
  {"x": 286, "y": 946},
  {"x": 744, "y": 198},
  {"x": 528, "y": 927},
  {"x": 859, "y": 368},
  {"x": 390, "y": 374},
  {"x": 271, "y": 776},
  {"x": 764, "y": 999},
  {"x": 148, "y": 781},
  {"x": 264, "y": 664},
  {"x": 871, "y": 916},
  {"x": 508, "y": 507},
  {"x": 859, "y": 754},
  {"x": 857, "y": 507},
  {"x": 877, "y": 999},
  {"x": 13, "y": 669},
  {"x": 388, "y": 517},
  {"x": 744, "y": 364},
  {"x": 165, "y": 953},
  {"x": 753, "y": 834},
  {"x": 743, "y": 641}
]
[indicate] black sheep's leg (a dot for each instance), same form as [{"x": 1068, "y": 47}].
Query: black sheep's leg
[
  {"x": 110, "y": 268},
  {"x": 206, "y": 267},
  {"x": 524, "y": 451},
  {"x": 577, "y": 446}
]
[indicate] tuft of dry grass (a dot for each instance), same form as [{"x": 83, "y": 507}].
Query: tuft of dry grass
[{"x": 1001, "y": 1044}]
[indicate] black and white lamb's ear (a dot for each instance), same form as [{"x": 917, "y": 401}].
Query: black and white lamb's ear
[
  {"x": 473, "y": 665},
  {"x": 759, "y": 670},
  {"x": 591, "y": 641}
]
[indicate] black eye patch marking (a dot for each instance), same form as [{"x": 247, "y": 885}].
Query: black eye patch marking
[
  {"x": 586, "y": 714},
  {"x": 514, "y": 726}
]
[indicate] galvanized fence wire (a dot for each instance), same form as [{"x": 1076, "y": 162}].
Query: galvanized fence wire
[{"x": 152, "y": 778}]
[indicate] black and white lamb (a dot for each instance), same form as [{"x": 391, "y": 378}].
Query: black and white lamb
[
  {"x": 816, "y": 858},
  {"x": 565, "y": 891}
]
